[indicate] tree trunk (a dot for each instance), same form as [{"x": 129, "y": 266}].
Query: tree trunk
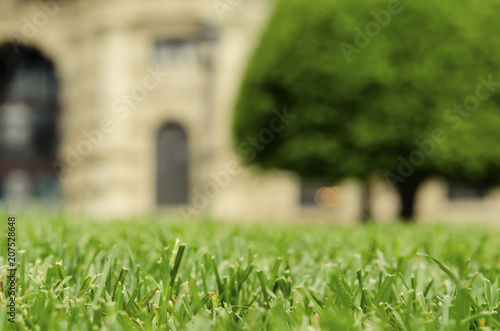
[
  {"x": 407, "y": 193},
  {"x": 366, "y": 213}
]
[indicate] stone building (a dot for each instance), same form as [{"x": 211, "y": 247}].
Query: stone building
[{"x": 122, "y": 108}]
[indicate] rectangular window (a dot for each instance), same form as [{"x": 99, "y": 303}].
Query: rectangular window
[
  {"x": 308, "y": 193},
  {"x": 458, "y": 190},
  {"x": 175, "y": 52}
]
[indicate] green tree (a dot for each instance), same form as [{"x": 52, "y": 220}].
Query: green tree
[{"x": 377, "y": 86}]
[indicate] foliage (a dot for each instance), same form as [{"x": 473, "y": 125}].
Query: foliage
[
  {"x": 152, "y": 274},
  {"x": 367, "y": 79}
]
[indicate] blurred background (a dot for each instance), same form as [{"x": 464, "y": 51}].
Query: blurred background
[{"x": 251, "y": 109}]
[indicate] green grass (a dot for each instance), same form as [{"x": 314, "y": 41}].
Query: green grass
[{"x": 165, "y": 275}]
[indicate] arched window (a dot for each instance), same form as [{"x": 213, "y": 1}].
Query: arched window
[
  {"x": 29, "y": 113},
  {"x": 172, "y": 165}
]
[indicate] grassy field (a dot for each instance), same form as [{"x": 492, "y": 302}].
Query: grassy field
[{"x": 172, "y": 275}]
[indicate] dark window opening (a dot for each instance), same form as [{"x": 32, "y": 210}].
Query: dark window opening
[
  {"x": 29, "y": 114},
  {"x": 175, "y": 52},
  {"x": 458, "y": 190},
  {"x": 191, "y": 49},
  {"x": 308, "y": 193}
]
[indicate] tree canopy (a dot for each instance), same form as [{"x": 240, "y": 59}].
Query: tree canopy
[{"x": 407, "y": 89}]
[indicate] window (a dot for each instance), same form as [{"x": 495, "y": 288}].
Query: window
[
  {"x": 458, "y": 190},
  {"x": 308, "y": 193},
  {"x": 29, "y": 113},
  {"x": 175, "y": 52},
  {"x": 172, "y": 165},
  {"x": 195, "y": 49},
  {"x": 320, "y": 195}
]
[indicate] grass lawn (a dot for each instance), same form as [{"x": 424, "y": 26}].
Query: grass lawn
[{"x": 152, "y": 274}]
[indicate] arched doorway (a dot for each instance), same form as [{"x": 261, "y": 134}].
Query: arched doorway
[
  {"x": 172, "y": 165},
  {"x": 29, "y": 114}
]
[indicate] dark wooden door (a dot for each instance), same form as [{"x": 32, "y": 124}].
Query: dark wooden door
[{"x": 172, "y": 165}]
